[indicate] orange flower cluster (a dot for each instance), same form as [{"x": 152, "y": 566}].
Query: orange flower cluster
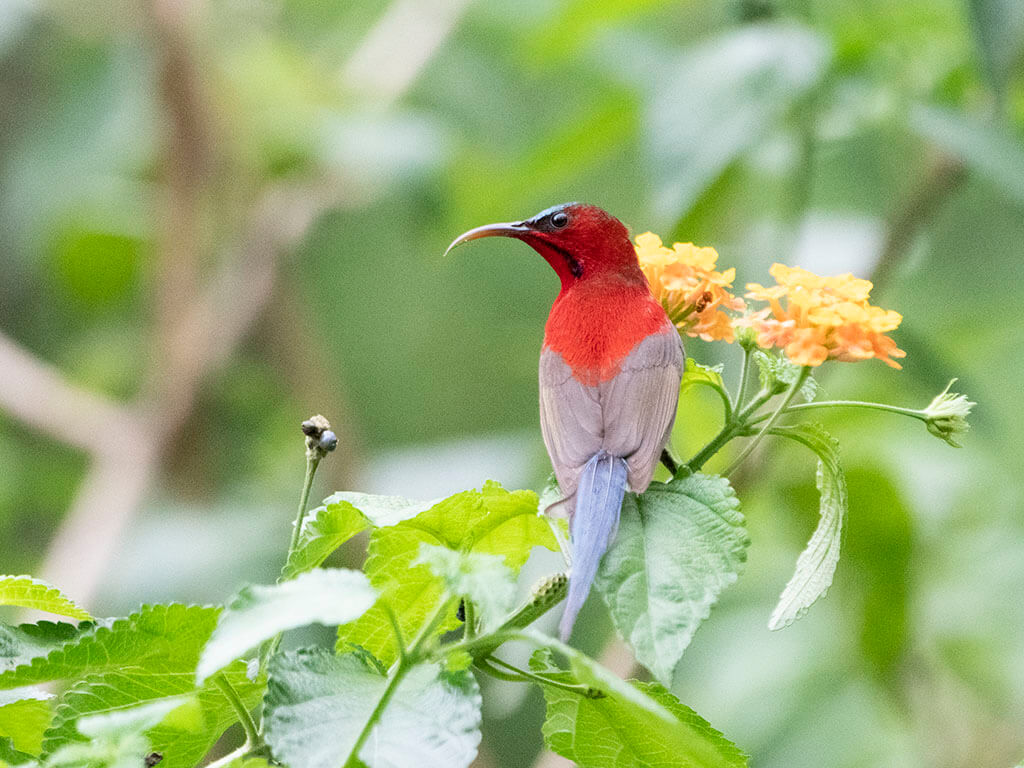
[
  {"x": 683, "y": 278},
  {"x": 817, "y": 318}
]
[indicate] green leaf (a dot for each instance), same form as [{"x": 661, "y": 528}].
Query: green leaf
[
  {"x": 483, "y": 579},
  {"x": 701, "y": 375},
  {"x": 678, "y": 546},
  {"x": 719, "y": 99},
  {"x": 625, "y": 724},
  {"x": 341, "y": 517},
  {"x": 11, "y": 756},
  {"x": 696, "y": 375},
  {"x": 18, "y": 645},
  {"x": 24, "y": 716},
  {"x": 182, "y": 741},
  {"x": 327, "y": 596},
  {"x": 489, "y": 521},
  {"x": 158, "y": 638},
  {"x": 318, "y": 703},
  {"x": 115, "y": 739},
  {"x": 26, "y": 592},
  {"x": 817, "y": 563},
  {"x": 986, "y": 147},
  {"x": 777, "y": 374}
]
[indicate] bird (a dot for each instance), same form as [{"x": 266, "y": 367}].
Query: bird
[{"x": 610, "y": 368}]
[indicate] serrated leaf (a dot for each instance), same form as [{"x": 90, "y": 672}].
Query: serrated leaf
[
  {"x": 777, "y": 374},
  {"x": 182, "y": 741},
  {"x": 24, "y": 715},
  {"x": 11, "y": 756},
  {"x": 339, "y": 518},
  {"x": 489, "y": 521},
  {"x": 115, "y": 739},
  {"x": 483, "y": 579},
  {"x": 629, "y": 724},
  {"x": 19, "y": 645},
  {"x": 719, "y": 98},
  {"x": 158, "y": 638},
  {"x": 328, "y": 596},
  {"x": 27, "y": 592},
  {"x": 817, "y": 563},
  {"x": 317, "y": 705},
  {"x": 678, "y": 546}
]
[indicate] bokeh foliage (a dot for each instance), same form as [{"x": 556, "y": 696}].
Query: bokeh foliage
[{"x": 885, "y": 139}]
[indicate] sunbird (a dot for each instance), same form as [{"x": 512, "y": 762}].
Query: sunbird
[{"x": 610, "y": 368}]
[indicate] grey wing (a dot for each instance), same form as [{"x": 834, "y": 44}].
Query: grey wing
[
  {"x": 570, "y": 420},
  {"x": 639, "y": 405}
]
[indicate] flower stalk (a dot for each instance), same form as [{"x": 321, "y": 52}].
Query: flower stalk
[{"x": 794, "y": 389}]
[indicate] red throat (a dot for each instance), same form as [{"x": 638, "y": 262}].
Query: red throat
[{"x": 596, "y": 323}]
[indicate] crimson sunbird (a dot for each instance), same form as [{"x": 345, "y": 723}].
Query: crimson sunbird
[{"x": 610, "y": 368}]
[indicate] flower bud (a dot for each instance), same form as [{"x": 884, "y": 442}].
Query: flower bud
[
  {"x": 746, "y": 337},
  {"x": 328, "y": 441},
  {"x": 946, "y": 415}
]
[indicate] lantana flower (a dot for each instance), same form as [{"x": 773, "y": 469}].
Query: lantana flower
[
  {"x": 814, "y": 318},
  {"x": 694, "y": 294}
]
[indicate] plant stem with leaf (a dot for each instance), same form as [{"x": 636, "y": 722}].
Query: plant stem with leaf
[
  {"x": 794, "y": 389},
  {"x": 405, "y": 663},
  {"x": 312, "y": 462},
  {"x": 252, "y": 736},
  {"x": 741, "y": 391},
  {"x": 313, "y": 457},
  {"x": 733, "y": 427}
]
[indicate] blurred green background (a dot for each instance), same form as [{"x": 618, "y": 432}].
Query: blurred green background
[{"x": 220, "y": 216}]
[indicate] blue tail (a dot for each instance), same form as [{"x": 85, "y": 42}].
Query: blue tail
[{"x": 594, "y": 523}]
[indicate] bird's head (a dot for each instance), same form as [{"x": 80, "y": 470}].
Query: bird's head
[{"x": 579, "y": 241}]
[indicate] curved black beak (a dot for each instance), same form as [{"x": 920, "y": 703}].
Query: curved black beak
[{"x": 502, "y": 229}]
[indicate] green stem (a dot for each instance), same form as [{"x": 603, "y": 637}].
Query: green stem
[
  {"x": 729, "y": 430},
  {"x": 469, "y": 631},
  {"x": 313, "y": 456},
  {"x": 744, "y": 378},
  {"x": 541, "y": 679},
  {"x": 485, "y": 666},
  {"x": 230, "y": 757},
  {"x": 252, "y": 737},
  {"x": 848, "y": 404},
  {"x": 478, "y": 647},
  {"x": 405, "y": 663},
  {"x": 792, "y": 393},
  {"x": 312, "y": 462},
  {"x": 396, "y": 677}
]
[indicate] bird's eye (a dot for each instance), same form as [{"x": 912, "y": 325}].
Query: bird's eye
[{"x": 559, "y": 220}]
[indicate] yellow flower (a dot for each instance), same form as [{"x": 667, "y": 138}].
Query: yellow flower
[
  {"x": 684, "y": 279},
  {"x": 816, "y": 318}
]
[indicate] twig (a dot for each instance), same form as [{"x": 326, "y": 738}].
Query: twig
[{"x": 36, "y": 392}]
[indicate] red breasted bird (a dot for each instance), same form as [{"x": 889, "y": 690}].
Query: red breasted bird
[{"x": 610, "y": 369}]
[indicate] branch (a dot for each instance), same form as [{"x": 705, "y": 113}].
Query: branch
[{"x": 35, "y": 392}]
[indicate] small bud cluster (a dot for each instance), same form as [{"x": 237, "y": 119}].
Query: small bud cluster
[
  {"x": 320, "y": 440},
  {"x": 946, "y": 415}
]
